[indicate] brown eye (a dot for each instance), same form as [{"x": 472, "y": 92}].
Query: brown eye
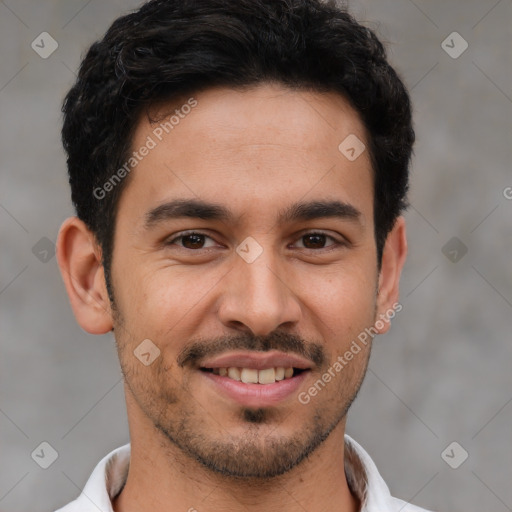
[
  {"x": 194, "y": 241},
  {"x": 314, "y": 241}
]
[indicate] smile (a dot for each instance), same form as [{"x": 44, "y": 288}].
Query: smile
[{"x": 255, "y": 376}]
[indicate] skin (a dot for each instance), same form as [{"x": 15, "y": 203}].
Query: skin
[{"x": 255, "y": 152}]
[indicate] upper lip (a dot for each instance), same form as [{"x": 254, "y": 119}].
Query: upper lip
[{"x": 257, "y": 360}]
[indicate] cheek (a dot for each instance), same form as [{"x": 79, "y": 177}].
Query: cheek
[
  {"x": 169, "y": 300},
  {"x": 343, "y": 300}
]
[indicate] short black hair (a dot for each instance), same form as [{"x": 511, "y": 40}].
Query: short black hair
[{"x": 170, "y": 48}]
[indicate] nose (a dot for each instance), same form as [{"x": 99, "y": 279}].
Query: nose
[{"x": 258, "y": 296}]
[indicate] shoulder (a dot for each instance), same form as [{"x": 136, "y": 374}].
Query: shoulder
[
  {"x": 365, "y": 481},
  {"x": 402, "y": 506},
  {"x": 104, "y": 483}
]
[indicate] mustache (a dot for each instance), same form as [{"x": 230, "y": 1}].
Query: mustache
[{"x": 284, "y": 342}]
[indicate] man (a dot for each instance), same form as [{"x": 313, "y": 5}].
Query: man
[{"x": 239, "y": 170}]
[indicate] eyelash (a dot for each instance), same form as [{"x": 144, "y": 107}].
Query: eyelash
[{"x": 337, "y": 243}]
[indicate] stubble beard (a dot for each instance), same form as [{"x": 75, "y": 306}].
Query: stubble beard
[
  {"x": 260, "y": 453},
  {"x": 253, "y": 455}
]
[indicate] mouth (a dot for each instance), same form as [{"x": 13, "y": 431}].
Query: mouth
[{"x": 255, "y": 379}]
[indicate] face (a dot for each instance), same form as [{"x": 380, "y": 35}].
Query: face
[{"x": 245, "y": 239}]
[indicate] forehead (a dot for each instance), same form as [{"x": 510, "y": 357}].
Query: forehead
[{"x": 266, "y": 145}]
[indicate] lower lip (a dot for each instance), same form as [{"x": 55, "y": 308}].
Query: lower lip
[{"x": 256, "y": 395}]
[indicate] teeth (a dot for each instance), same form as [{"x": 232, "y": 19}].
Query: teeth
[
  {"x": 234, "y": 373},
  {"x": 249, "y": 376},
  {"x": 267, "y": 376},
  {"x": 253, "y": 376}
]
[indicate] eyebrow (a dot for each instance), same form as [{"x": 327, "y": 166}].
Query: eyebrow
[
  {"x": 191, "y": 208},
  {"x": 198, "y": 209},
  {"x": 318, "y": 210}
]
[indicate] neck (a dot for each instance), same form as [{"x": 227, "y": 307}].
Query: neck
[{"x": 162, "y": 478}]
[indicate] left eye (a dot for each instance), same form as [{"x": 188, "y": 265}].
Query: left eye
[
  {"x": 316, "y": 240},
  {"x": 192, "y": 241}
]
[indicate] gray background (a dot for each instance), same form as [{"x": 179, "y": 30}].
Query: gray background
[{"x": 441, "y": 375}]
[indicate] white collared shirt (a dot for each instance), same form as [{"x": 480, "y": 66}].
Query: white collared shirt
[{"x": 109, "y": 477}]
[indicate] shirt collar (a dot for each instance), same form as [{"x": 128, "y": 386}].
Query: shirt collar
[{"x": 364, "y": 480}]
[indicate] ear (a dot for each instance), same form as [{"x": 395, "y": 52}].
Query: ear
[
  {"x": 393, "y": 259},
  {"x": 79, "y": 258}
]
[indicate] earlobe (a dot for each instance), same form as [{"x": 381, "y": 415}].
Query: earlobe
[
  {"x": 79, "y": 259},
  {"x": 393, "y": 259}
]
